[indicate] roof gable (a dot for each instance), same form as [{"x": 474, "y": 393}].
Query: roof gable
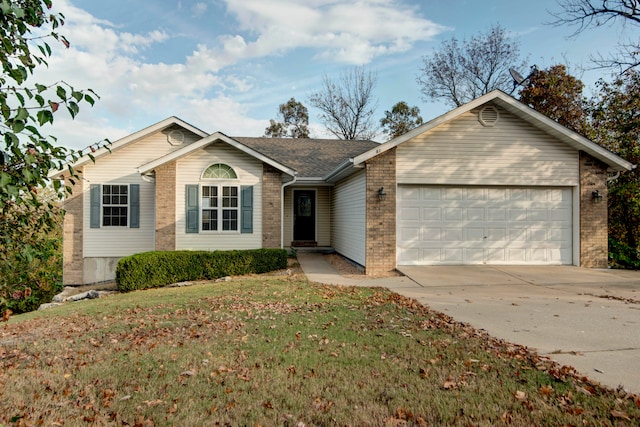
[
  {"x": 133, "y": 138},
  {"x": 520, "y": 110},
  {"x": 210, "y": 139}
]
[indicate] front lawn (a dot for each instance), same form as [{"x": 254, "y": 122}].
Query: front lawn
[{"x": 279, "y": 351}]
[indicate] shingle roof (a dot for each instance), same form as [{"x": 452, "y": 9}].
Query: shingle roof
[{"x": 309, "y": 157}]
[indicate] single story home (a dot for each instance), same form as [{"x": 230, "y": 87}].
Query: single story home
[{"x": 491, "y": 182}]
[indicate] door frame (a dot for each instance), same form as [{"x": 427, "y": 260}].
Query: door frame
[{"x": 314, "y": 240}]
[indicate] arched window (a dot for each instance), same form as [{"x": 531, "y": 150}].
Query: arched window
[{"x": 219, "y": 171}]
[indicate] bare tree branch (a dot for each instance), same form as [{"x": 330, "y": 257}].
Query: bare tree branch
[
  {"x": 347, "y": 105},
  {"x": 460, "y": 72},
  {"x": 586, "y": 14}
]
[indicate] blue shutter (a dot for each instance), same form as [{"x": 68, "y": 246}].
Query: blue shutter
[
  {"x": 192, "y": 209},
  {"x": 95, "y": 206},
  {"x": 246, "y": 210},
  {"x": 134, "y": 206}
]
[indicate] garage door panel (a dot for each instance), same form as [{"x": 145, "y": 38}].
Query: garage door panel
[{"x": 474, "y": 225}]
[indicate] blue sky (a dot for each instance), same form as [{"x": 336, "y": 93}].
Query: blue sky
[{"x": 226, "y": 65}]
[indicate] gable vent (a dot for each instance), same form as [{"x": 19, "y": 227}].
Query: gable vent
[
  {"x": 175, "y": 137},
  {"x": 489, "y": 116}
]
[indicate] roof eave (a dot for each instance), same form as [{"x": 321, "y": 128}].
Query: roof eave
[{"x": 344, "y": 169}]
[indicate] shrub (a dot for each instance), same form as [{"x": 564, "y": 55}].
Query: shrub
[
  {"x": 623, "y": 256},
  {"x": 156, "y": 269},
  {"x": 30, "y": 261}
]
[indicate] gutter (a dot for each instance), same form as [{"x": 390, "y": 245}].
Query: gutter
[
  {"x": 343, "y": 167},
  {"x": 286, "y": 184}
]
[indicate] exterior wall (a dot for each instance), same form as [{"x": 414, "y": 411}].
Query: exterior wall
[
  {"x": 99, "y": 269},
  {"x": 593, "y": 214},
  {"x": 97, "y": 250},
  {"x": 323, "y": 214},
  {"x": 166, "y": 207},
  {"x": 121, "y": 167},
  {"x": 463, "y": 151},
  {"x": 72, "y": 233},
  {"x": 189, "y": 171},
  {"x": 288, "y": 217},
  {"x": 349, "y": 213},
  {"x": 381, "y": 214},
  {"x": 271, "y": 206}
]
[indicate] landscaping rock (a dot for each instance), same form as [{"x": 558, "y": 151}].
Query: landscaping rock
[
  {"x": 66, "y": 293},
  {"x": 92, "y": 294},
  {"x": 179, "y": 284},
  {"x": 48, "y": 305}
]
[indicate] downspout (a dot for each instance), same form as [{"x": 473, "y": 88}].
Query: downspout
[{"x": 286, "y": 184}]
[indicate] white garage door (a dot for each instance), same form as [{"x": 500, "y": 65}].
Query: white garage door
[{"x": 474, "y": 225}]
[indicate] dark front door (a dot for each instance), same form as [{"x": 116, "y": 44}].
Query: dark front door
[{"x": 304, "y": 215}]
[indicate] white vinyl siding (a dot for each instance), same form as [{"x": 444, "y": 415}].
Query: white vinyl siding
[
  {"x": 323, "y": 214},
  {"x": 121, "y": 167},
  {"x": 189, "y": 172},
  {"x": 348, "y": 233},
  {"x": 484, "y": 225},
  {"x": 464, "y": 152}
]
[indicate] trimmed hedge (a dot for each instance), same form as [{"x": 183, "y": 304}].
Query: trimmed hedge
[{"x": 160, "y": 268}]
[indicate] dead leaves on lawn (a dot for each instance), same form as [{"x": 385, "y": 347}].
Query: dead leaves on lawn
[{"x": 136, "y": 334}]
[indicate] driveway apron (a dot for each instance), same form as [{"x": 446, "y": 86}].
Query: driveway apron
[{"x": 588, "y": 319}]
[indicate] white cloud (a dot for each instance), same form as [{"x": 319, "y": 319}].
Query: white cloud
[
  {"x": 199, "y": 9},
  {"x": 353, "y": 32},
  {"x": 202, "y": 84}
]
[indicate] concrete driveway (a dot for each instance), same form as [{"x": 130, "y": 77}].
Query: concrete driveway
[{"x": 589, "y": 319}]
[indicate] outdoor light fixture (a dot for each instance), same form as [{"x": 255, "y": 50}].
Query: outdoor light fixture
[
  {"x": 596, "y": 196},
  {"x": 381, "y": 194}
]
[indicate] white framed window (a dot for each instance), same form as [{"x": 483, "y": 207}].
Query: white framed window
[
  {"x": 219, "y": 200},
  {"x": 220, "y": 207},
  {"x": 115, "y": 205}
]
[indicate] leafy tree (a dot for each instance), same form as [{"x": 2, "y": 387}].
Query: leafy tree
[
  {"x": 27, "y": 155},
  {"x": 293, "y": 121},
  {"x": 615, "y": 116},
  {"x": 347, "y": 105},
  {"x": 600, "y": 13},
  {"x": 400, "y": 120},
  {"x": 557, "y": 95},
  {"x": 460, "y": 72}
]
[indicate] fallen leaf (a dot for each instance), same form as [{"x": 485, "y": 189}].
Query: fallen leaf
[
  {"x": 449, "y": 385},
  {"x": 424, "y": 373},
  {"x": 189, "y": 373},
  {"x": 620, "y": 414},
  {"x": 585, "y": 390},
  {"x": 521, "y": 395},
  {"x": 546, "y": 390}
]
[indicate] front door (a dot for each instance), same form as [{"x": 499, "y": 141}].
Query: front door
[{"x": 304, "y": 215}]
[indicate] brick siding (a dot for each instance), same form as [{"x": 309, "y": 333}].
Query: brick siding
[
  {"x": 593, "y": 214},
  {"x": 166, "y": 207},
  {"x": 271, "y": 206},
  {"x": 72, "y": 254},
  {"x": 381, "y": 214}
]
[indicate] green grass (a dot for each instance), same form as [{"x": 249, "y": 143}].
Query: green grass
[{"x": 266, "y": 351}]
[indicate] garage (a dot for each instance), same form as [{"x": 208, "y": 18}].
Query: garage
[{"x": 439, "y": 225}]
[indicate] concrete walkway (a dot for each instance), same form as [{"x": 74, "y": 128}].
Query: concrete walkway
[{"x": 588, "y": 319}]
